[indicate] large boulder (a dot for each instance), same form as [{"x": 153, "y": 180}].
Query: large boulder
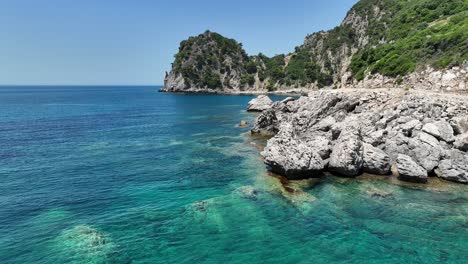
[
  {"x": 376, "y": 138},
  {"x": 408, "y": 127},
  {"x": 461, "y": 142},
  {"x": 459, "y": 124},
  {"x": 259, "y": 104},
  {"x": 376, "y": 161},
  {"x": 266, "y": 123},
  {"x": 425, "y": 150},
  {"x": 442, "y": 130},
  {"x": 346, "y": 158},
  {"x": 396, "y": 144},
  {"x": 294, "y": 158},
  {"x": 409, "y": 170},
  {"x": 454, "y": 167}
]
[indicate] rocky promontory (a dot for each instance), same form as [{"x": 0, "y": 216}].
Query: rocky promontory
[{"x": 411, "y": 134}]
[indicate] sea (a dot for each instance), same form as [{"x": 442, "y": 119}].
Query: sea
[{"x": 124, "y": 174}]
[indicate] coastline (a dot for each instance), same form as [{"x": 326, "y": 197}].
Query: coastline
[
  {"x": 414, "y": 135},
  {"x": 192, "y": 91},
  {"x": 305, "y": 91}
]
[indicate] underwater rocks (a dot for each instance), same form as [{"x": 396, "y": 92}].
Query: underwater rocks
[
  {"x": 349, "y": 132},
  {"x": 378, "y": 193},
  {"x": 248, "y": 192},
  {"x": 262, "y": 102},
  {"x": 85, "y": 244}
]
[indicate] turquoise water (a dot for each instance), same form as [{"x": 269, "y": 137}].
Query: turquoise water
[{"x": 128, "y": 175}]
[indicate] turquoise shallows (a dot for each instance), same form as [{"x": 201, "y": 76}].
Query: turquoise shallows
[{"x": 129, "y": 175}]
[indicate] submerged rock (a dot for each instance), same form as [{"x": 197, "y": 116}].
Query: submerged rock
[
  {"x": 261, "y": 103},
  {"x": 409, "y": 170},
  {"x": 378, "y": 193},
  {"x": 200, "y": 206},
  {"x": 247, "y": 192},
  {"x": 243, "y": 123},
  {"x": 85, "y": 244}
]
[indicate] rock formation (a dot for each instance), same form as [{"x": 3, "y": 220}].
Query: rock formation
[
  {"x": 409, "y": 170},
  {"x": 354, "y": 131},
  {"x": 262, "y": 102}
]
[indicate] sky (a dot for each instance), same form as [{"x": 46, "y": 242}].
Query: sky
[{"x": 133, "y": 42}]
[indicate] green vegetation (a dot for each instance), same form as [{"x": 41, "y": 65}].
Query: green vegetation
[
  {"x": 211, "y": 80},
  {"x": 251, "y": 67},
  {"x": 274, "y": 67},
  {"x": 202, "y": 59},
  {"x": 421, "y": 32},
  {"x": 302, "y": 70},
  {"x": 270, "y": 87},
  {"x": 248, "y": 79}
]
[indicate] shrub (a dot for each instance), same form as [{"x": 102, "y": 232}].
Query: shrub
[
  {"x": 247, "y": 79},
  {"x": 211, "y": 80}
]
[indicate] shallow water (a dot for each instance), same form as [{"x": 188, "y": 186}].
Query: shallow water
[{"x": 128, "y": 175}]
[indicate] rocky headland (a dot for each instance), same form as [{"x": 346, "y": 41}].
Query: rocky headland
[
  {"x": 417, "y": 44},
  {"x": 414, "y": 135}
]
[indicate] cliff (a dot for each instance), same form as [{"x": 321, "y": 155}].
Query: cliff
[{"x": 379, "y": 43}]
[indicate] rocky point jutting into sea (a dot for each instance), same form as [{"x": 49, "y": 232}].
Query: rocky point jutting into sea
[{"x": 411, "y": 134}]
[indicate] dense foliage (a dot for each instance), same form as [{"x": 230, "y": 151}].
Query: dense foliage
[
  {"x": 202, "y": 60},
  {"x": 421, "y": 32}
]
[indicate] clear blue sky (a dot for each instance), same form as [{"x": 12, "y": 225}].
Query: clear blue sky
[{"x": 134, "y": 41}]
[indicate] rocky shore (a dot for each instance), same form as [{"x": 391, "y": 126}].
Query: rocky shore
[
  {"x": 189, "y": 91},
  {"x": 411, "y": 134}
]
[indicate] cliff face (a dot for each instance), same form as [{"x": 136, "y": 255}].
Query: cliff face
[
  {"x": 363, "y": 26},
  {"x": 402, "y": 42}
]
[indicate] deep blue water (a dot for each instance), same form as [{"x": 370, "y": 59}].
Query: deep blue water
[{"x": 129, "y": 175}]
